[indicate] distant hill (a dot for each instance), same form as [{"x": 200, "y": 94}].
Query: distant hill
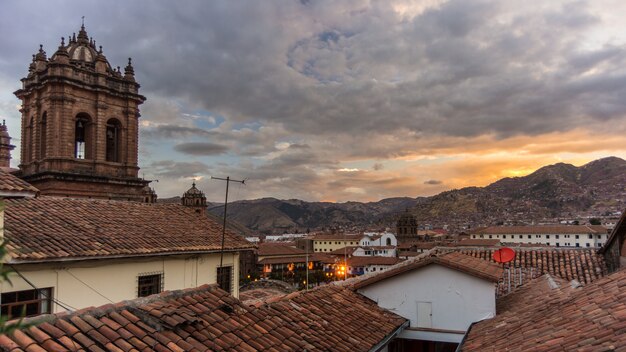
[{"x": 548, "y": 194}]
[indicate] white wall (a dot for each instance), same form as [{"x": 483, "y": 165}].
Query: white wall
[
  {"x": 563, "y": 240},
  {"x": 457, "y": 299},
  {"x": 116, "y": 279}
]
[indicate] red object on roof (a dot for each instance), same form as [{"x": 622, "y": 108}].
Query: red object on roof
[{"x": 504, "y": 255}]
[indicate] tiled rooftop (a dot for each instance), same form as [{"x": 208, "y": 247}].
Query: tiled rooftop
[
  {"x": 358, "y": 261},
  {"x": 336, "y": 236},
  {"x": 554, "y": 316},
  {"x": 313, "y": 257},
  {"x": 208, "y": 319},
  {"x": 583, "y": 265},
  {"x": 478, "y": 242},
  {"x": 454, "y": 260},
  {"x": 11, "y": 184},
  {"x": 51, "y": 228},
  {"x": 278, "y": 249}
]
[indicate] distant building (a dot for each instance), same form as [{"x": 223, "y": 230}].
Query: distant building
[
  {"x": 406, "y": 227},
  {"x": 586, "y": 236},
  {"x": 325, "y": 243}
]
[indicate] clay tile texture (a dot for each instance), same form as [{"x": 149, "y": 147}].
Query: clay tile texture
[
  {"x": 100, "y": 228},
  {"x": 208, "y": 319},
  {"x": 279, "y": 249},
  {"x": 454, "y": 260},
  {"x": 11, "y": 184},
  {"x": 550, "y": 314},
  {"x": 582, "y": 265}
]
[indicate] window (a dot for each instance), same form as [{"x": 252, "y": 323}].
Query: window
[
  {"x": 43, "y": 135},
  {"x": 520, "y": 236},
  {"x": 224, "y": 278},
  {"x": 81, "y": 137},
  {"x": 529, "y": 236},
  {"x": 388, "y": 241},
  {"x": 547, "y": 237},
  {"x": 490, "y": 236},
  {"x": 481, "y": 236},
  {"x": 577, "y": 236},
  {"x": 577, "y": 245},
  {"x": 558, "y": 244},
  {"x": 27, "y": 303},
  {"x": 504, "y": 237},
  {"x": 590, "y": 236},
  {"x": 588, "y": 245},
  {"x": 557, "y": 237},
  {"x": 113, "y": 140},
  {"x": 149, "y": 284}
]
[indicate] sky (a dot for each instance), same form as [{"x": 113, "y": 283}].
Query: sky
[{"x": 347, "y": 100}]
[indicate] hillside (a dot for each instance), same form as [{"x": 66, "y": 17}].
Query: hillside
[{"x": 552, "y": 192}]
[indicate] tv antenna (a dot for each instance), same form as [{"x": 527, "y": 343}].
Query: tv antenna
[{"x": 228, "y": 181}]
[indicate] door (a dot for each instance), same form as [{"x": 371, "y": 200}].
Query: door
[{"x": 424, "y": 314}]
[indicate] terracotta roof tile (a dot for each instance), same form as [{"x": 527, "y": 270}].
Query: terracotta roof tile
[
  {"x": 174, "y": 321},
  {"x": 551, "y": 314},
  {"x": 372, "y": 260},
  {"x": 454, "y": 260},
  {"x": 49, "y": 228},
  {"x": 278, "y": 249},
  {"x": 581, "y": 264},
  {"x": 12, "y": 184}
]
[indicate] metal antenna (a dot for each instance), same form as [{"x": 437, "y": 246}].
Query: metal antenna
[{"x": 228, "y": 181}]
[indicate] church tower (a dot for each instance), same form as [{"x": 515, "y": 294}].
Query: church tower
[
  {"x": 80, "y": 124},
  {"x": 5, "y": 148},
  {"x": 406, "y": 227},
  {"x": 194, "y": 198}
]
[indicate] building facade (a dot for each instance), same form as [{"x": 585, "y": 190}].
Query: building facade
[
  {"x": 586, "y": 236},
  {"x": 80, "y": 124}
]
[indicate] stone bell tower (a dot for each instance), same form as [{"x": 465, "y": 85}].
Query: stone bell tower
[{"x": 80, "y": 124}]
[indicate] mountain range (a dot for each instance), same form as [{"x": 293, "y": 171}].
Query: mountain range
[{"x": 552, "y": 193}]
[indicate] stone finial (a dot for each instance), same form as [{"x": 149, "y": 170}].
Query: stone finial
[{"x": 129, "y": 71}]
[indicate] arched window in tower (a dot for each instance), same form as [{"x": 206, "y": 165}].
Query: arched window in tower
[
  {"x": 43, "y": 136},
  {"x": 113, "y": 140},
  {"x": 28, "y": 143},
  {"x": 82, "y": 137},
  {"x": 388, "y": 242}
]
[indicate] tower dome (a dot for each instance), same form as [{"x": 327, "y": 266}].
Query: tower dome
[{"x": 194, "y": 198}]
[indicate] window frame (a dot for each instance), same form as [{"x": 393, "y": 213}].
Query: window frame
[
  {"x": 231, "y": 279},
  {"x": 44, "y": 301},
  {"x": 159, "y": 284}
]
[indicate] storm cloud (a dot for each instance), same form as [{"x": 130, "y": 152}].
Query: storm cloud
[{"x": 290, "y": 92}]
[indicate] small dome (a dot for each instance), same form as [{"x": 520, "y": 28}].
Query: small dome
[{"x": 193, "y": 192}]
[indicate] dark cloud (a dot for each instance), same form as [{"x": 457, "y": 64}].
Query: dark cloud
[
  {"x": 433, "y": 182},
  {"x": 337, "y": 82},
  {"x": 177, "y": 169},
  {"x": 173, "y": 131},
  {"x": 200, "y": 148}
]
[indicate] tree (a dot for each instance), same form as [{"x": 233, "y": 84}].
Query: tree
[{"x": 595, "y": 221}]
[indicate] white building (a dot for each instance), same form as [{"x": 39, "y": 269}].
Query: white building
[
  {"x": 374, "y": 239},
  {"x": 70, "y": 254},
  {"x": 587, "y": 236},
  {"x": 440, "y": 295}
]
